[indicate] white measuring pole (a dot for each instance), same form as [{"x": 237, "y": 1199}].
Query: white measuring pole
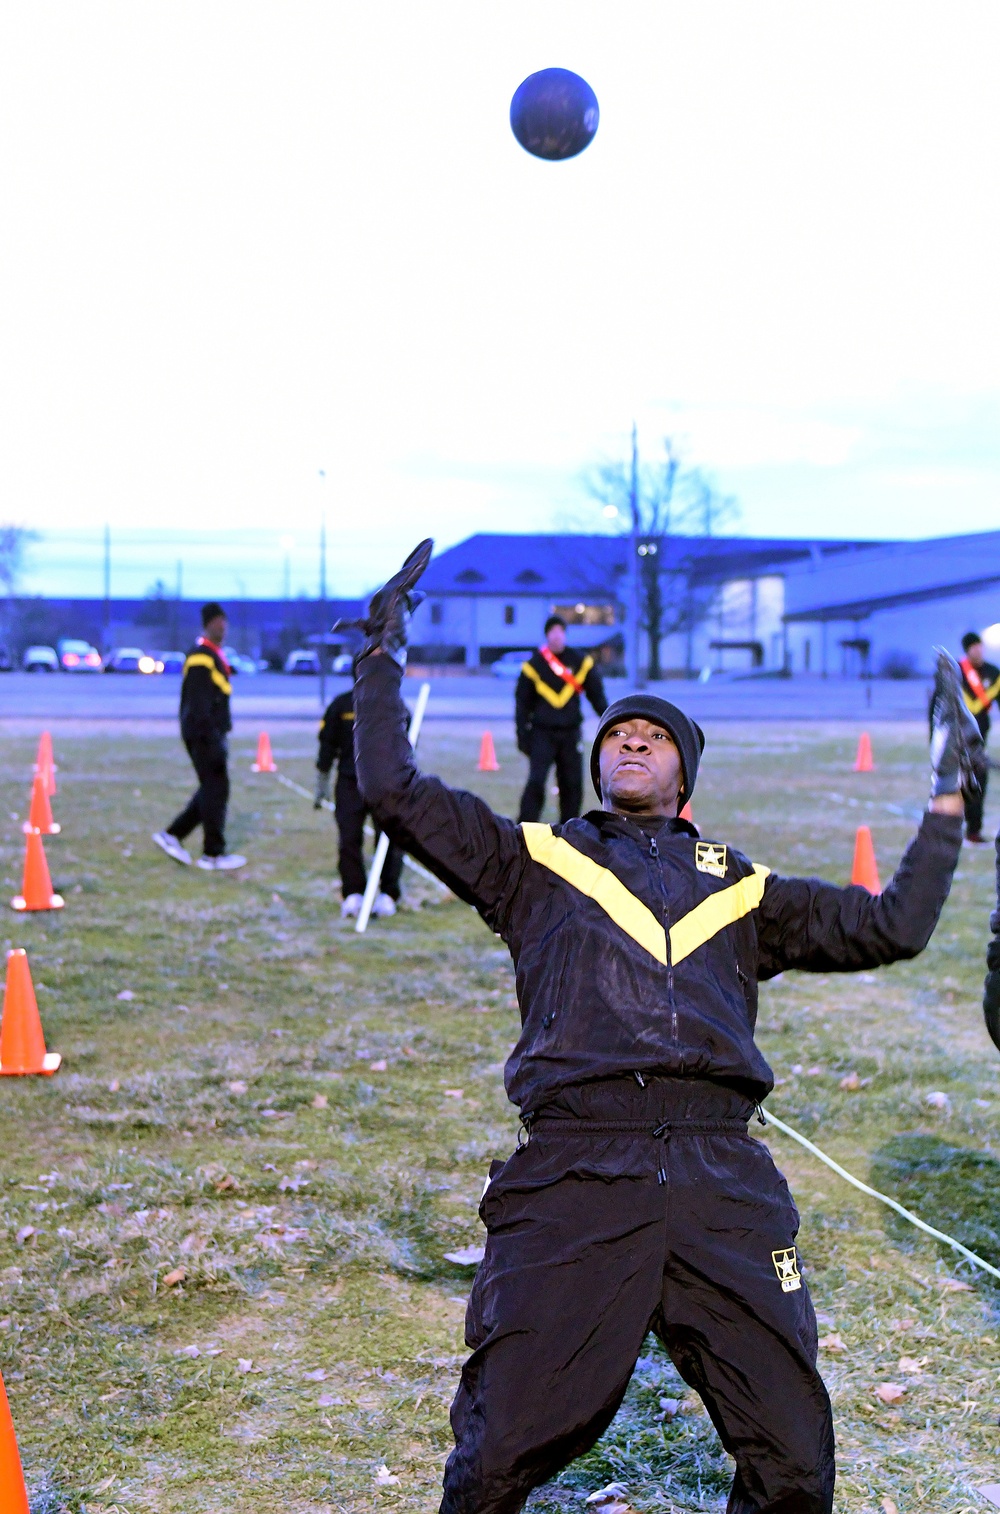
[{"x": 381, "y": 850}]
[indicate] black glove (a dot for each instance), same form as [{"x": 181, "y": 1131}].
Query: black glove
[
  {"x": 524, "y": 741},
  {"x": 991, "y": 992},
  {"x": 956, "y": 744},
  {"x": 388, "y": 623},
  {"x": 322, "y": 788}
]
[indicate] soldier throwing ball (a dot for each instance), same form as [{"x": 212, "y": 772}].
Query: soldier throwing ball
[{"x": 640, "y": 1202}]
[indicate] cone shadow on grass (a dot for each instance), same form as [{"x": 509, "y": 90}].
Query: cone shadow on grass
[{"x": 953, "y": 1188}]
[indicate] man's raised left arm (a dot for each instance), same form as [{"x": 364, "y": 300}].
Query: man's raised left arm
[{"x": 806, "y": 923}]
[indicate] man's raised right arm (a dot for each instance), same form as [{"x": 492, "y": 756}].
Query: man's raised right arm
[{"x": 480, "y": 855}]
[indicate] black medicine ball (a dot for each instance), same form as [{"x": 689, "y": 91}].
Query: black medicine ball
[{"x": 554, "y": 114}]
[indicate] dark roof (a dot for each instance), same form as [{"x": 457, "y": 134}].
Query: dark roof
[
  {"x": 898, "y": 573},
  {"x": 576, "y": 567}
]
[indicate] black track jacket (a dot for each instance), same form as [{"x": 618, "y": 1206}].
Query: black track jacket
[
  {"x": 635, "y": 955},
  {"x": 205, "y": 691},
  {"x": 543, "y": 698}
]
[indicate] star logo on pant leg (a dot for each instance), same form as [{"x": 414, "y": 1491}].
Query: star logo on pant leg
[{"x": 786, "y": 1265}]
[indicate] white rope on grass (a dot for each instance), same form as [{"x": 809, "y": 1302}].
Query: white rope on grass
[{"x": 873, "y": 1193}]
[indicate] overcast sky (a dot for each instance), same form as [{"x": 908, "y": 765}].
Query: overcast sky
[{"x": 242, "y": 243}]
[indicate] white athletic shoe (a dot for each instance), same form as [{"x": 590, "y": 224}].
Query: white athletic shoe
[
  {"x": 172, "y": 847},
  {"x": 227, "y": 863},
  {"x": 351, "y": 907},
  {"x": 383, "y": 907}
]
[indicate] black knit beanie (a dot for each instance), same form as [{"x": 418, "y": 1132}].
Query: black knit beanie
[{"x": 689, "y": 738}]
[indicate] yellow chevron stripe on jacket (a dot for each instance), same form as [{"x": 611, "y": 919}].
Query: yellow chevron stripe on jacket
[
  {"x": 629, "y": 913},
  {"x": 977, "y": 705},
  {"x": 557, "y": 698},
  {"x": 202, "y": 660}
]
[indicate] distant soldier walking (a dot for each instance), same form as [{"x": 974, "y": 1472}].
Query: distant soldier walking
[
  {"x": 980, "y": 687},
  {"x": 205, "y": 724},
  {"x": 549, "y": 717},
  {"x": 336, "y": 744}
]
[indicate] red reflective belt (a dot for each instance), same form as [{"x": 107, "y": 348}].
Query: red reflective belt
[
  {"x": 559, "y": 669},
  {"x": 975, "y": 683},
  {"x": 203, "y": 641}
]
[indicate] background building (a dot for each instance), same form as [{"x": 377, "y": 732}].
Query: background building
[
  {"x": 727, "y": 604},
  {"x": 719, "y": 601}
]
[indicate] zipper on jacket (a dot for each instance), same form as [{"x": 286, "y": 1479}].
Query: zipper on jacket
[
  {"x": 654, "y": 852},
  {"x": 662, "y": 1133}
]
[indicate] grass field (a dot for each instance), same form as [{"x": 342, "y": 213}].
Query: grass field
[{"x": 296, "y": 1123}]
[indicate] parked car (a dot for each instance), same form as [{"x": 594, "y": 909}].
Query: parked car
[
  {"x": 40, "y": 660},
  {"x": 77, "y": 656},
  {"x": 342, "y": 663},
  {"x": 302, "y": 661},
  {"x": 169, "y": 662},
  {"x": 238, "y": 661},
  {"x": 6, "y": 661},
  {"x": 131, "y": 660},
  {"x": 510, "y": 664}
]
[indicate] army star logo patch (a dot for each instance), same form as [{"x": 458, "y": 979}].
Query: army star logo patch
[
  {"x": 787, "y": 1267},
  {"x": 710, "y": 858}
]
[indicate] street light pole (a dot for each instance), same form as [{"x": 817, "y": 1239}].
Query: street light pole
[
  {"x": 634, "y": 586},
  {"x": 107, "y": 587},
  {"x": 322, "y": 600}
]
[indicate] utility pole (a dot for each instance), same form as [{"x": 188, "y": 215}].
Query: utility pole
[
  {"x": 322, "y": 600},
  {"x": 107, "y": 588},
  {"x": 634, "y": 616},
  {"x": 175, "y": 619}
]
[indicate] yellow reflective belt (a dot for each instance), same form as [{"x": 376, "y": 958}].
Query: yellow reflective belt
[
  {"x": 629, "y": 913},
  {"x": 202, "y": 660},
  {"x": 557, "y": 698},
  {"x": 347, "y": 715}
]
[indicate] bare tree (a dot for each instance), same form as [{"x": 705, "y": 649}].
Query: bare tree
[
  {"x": 13, "y": 540},
  {"x": 705, "y": 509},
  {"x": 671, "y": 500}
]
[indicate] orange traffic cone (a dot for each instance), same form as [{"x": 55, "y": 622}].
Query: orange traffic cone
[
  {"x": 687, "y": 813},
  {"x": 22, "y": 1042},
  {"x": 863, "y": 762},
  {"x": 13, "y": 1493},
  {"x": 40, "y": 814},
  {"x": 37, "y": 884},
  {"x": 45, "y": 763},
  {"x": 865, "y": 869},
  {"x": 265, "y": 761},
  {"x": 487, "y": 755}
]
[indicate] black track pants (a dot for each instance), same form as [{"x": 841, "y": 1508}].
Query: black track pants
[
  {"x": 974, "y": 802},
  {"x": 208, "y": 804},
  {"x": 588, "y": 1249},
  {"x": 550, "y": 746},
  {"x": 350, "y": 811}
]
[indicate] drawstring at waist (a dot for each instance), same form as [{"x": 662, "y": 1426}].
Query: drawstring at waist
[{"x": 564, "y": 1126}]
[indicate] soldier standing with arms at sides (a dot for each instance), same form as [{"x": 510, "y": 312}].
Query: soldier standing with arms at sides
[
  {"x": 640, "y": 1201},
  {"x": 980, "y": 687},
  {"x": 336, "y": 745},
  {"x": 549, "y": 716},
  {"x": 205, "y": 725}
]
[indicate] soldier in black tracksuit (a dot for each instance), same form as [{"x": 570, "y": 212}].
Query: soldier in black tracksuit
[
  {"x": 639, "y": 1201},
  {"x": 980, "y": 687},
  {"x": 549, "y": 715},
  {"x": 205, "y": 725},
  {"x": 336, "y": 745}
]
